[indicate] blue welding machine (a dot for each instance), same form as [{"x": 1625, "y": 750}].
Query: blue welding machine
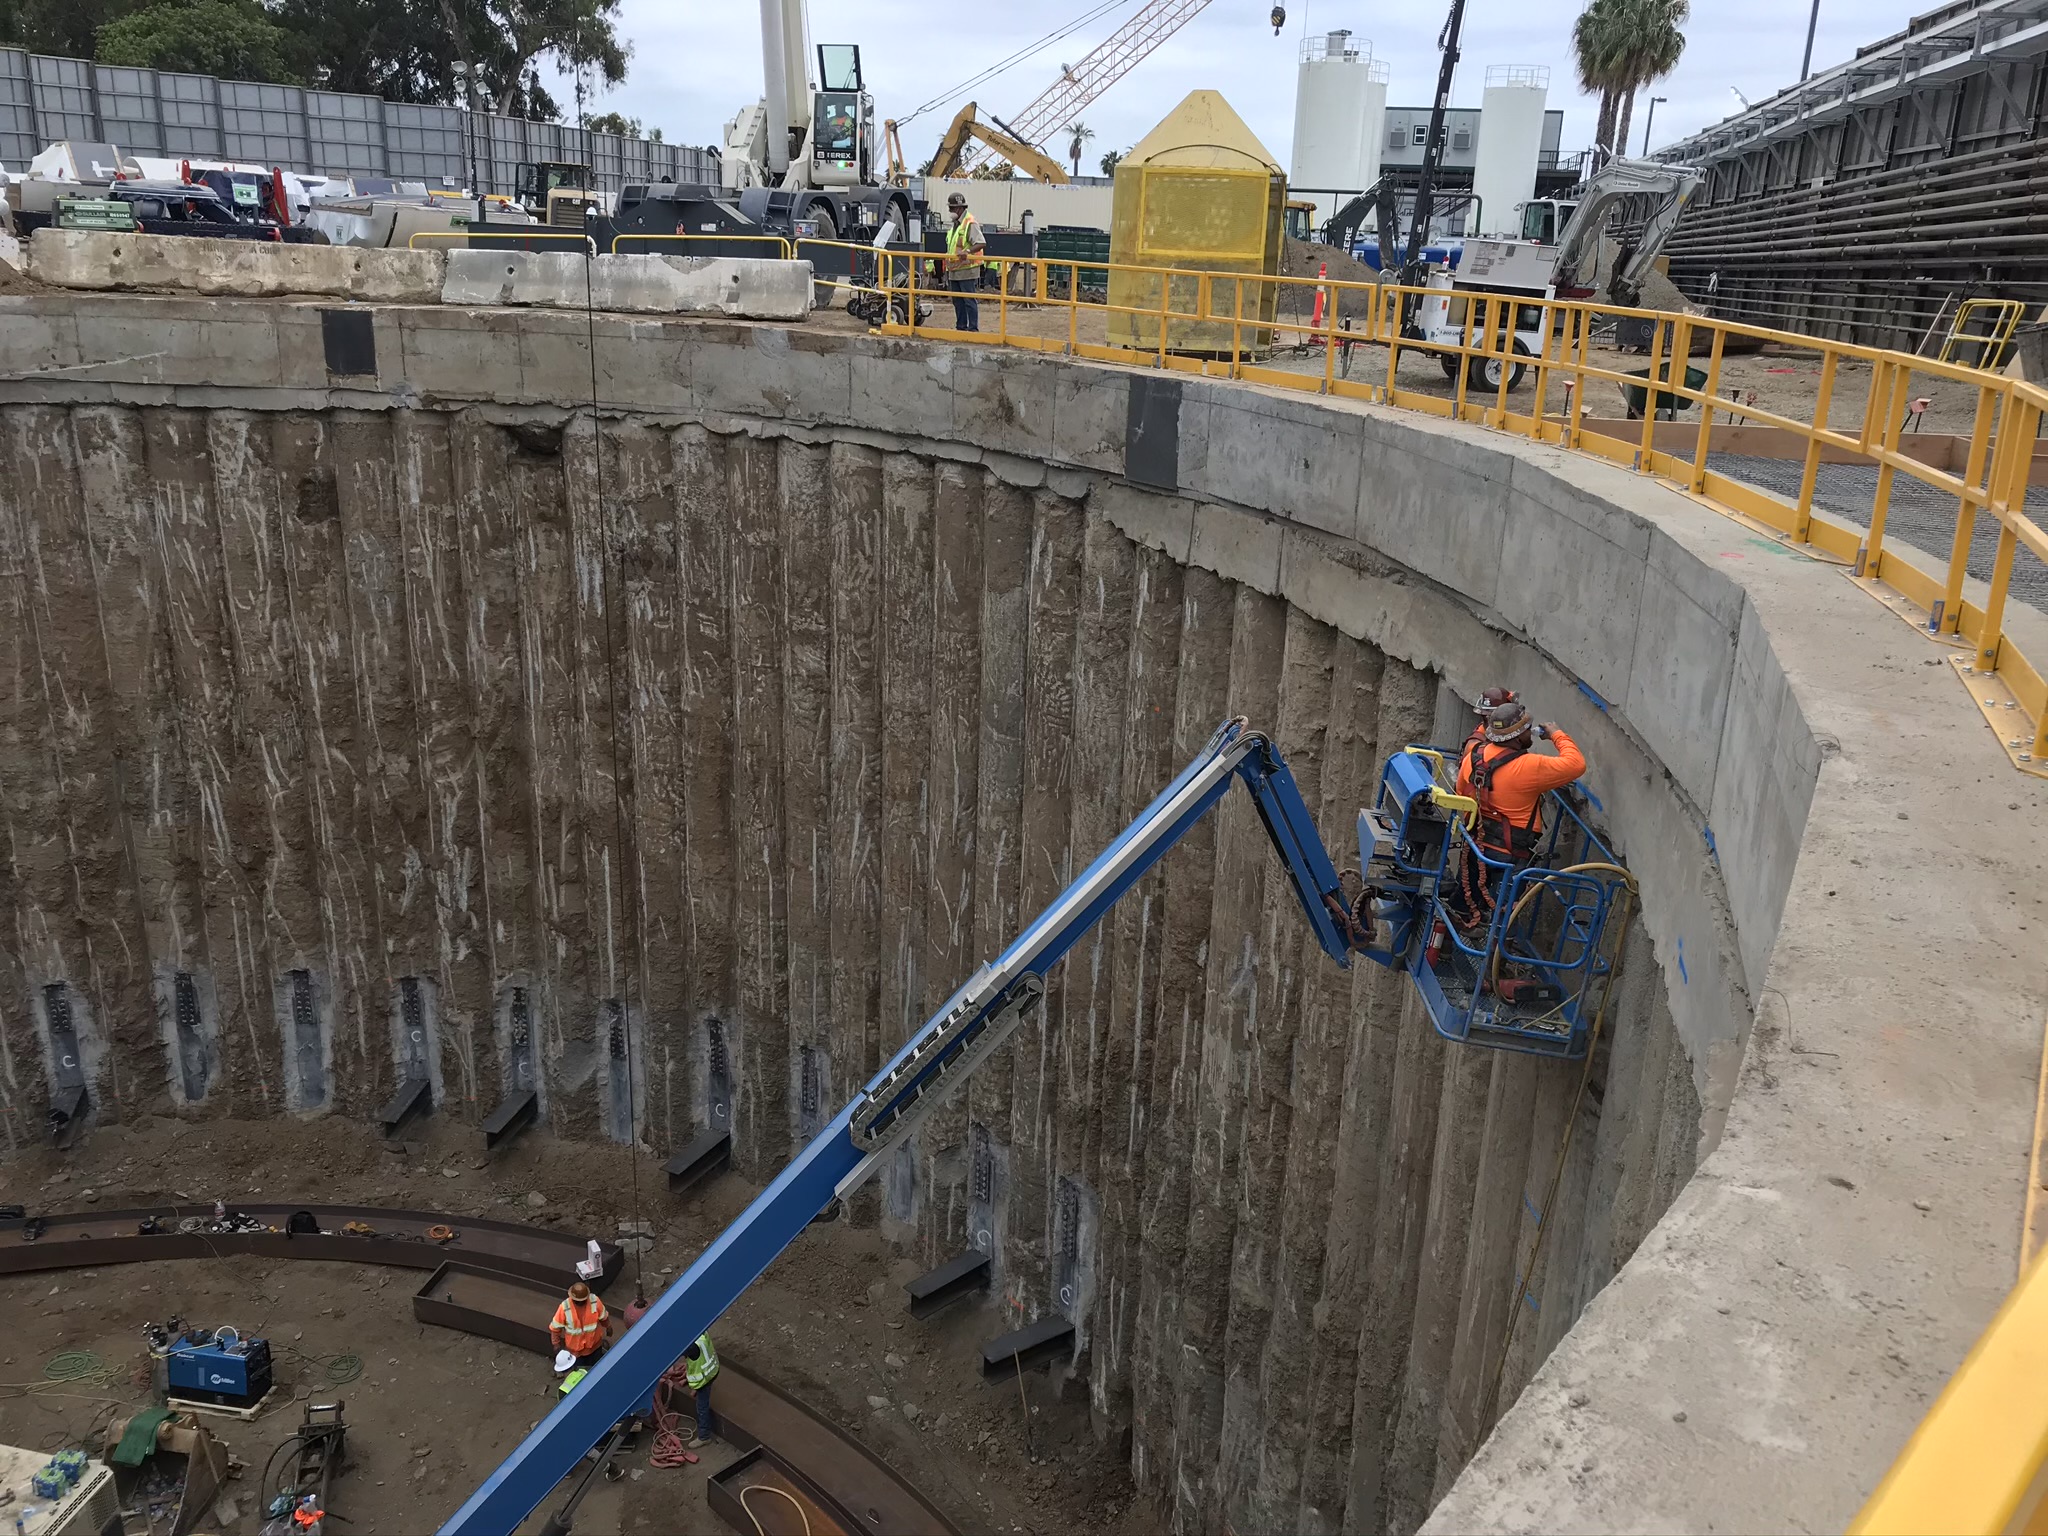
[{"x": 219, "y": 1367}]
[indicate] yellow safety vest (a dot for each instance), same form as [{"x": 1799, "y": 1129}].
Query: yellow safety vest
[
  {"x": 960, "y": 248},
  {"x": 702, "y": 1369}
]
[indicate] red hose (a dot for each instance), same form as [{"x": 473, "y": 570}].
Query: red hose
[{"x": 671, "y": 1448}]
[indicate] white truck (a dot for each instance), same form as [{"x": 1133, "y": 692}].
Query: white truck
[{"x": 1556, "y": 257}]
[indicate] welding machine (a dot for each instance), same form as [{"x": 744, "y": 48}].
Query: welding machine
[{"x": 220, "y": 1367}]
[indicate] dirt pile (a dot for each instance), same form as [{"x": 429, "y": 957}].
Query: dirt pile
[{"x": 1308, "y": 258}]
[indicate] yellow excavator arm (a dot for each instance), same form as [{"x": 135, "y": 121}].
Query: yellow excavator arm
[{"x": 1034, "y": 163}]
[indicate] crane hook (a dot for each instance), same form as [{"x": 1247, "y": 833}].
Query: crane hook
[{"x": 1278, "y": 18}]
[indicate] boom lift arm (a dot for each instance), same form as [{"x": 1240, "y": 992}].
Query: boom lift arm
[{"x": 972, "y": 1024}]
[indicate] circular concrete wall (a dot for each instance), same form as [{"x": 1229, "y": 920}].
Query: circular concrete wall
[{"x": 321, "y": 684}]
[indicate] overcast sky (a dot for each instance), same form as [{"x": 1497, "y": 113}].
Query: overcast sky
[{"x": 694, "y": 64}]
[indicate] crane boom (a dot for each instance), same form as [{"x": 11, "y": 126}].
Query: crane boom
[
  {"x": 1105, "y": 64},
  {"x": 971, "y": 1025}
]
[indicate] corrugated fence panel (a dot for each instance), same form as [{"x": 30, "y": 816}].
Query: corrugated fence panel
[
  {"x": 44, "y": 100},
  {"x": 128, "y": 109},
  {"x": 346, "y": 134},
  {"x": 18, "y": 141},
  {"x": 190, "y": 105},
  {"x": 62, "y": 92}
]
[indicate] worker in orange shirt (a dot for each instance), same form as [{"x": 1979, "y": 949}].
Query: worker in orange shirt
[
  {"x": 581, "y": 1325},
  {"x": 1503, "y": 772}
]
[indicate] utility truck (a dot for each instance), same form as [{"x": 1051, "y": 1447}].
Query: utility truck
[{"x": 1557, "y": 256}]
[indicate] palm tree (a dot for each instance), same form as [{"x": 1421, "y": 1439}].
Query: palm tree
[
  {"x": 1620, "y": 46},
  {"x": 1078, "y": 135}
]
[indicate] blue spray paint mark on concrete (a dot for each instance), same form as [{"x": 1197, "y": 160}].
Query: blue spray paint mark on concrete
[
  {"x": 1530, "y": 1206},
  {"x": 1687, "y": 980},
  {"x": 1713, "y": 848},
  {"x": 1598, "y": 702}
]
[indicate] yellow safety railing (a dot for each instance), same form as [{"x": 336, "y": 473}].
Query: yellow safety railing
[
  {"x": 508, "y": 232},
  {"x": 771, "y": 247},
  {"x": 1978, "y": 1463},
  {"x": 1246, "y": 327}
]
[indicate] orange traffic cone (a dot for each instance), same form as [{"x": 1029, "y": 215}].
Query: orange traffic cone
[{"x": 1316, "y": 320}]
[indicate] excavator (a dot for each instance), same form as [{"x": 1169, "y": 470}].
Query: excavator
[
  {"x": 967, "y": 127},
  {"x": 1532, "y": 975}
]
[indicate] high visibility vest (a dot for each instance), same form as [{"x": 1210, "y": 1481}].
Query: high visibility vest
[
  {"x": 960, "y": 260},
  {"x": 569, "y": 1381},
  {"x": 580, "y": 1327},
  {"x": 704, "y": 1367}
]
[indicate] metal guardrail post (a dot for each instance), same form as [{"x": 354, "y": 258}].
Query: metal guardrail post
[
  {"x": 1709, "y": 398},
  {"x": 1809, "y": 475},
  {"x": 1948, "y": 614}
]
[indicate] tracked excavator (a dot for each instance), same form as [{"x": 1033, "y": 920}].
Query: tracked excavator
[{"x": 1533, "y": 977}]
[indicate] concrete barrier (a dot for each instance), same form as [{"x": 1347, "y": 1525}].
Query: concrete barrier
[
  {"x": 78, "y": 258},
  {"x": 738, "y": 287}
]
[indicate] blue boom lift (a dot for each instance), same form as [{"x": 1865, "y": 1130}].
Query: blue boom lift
[{"x": 1531, "y": 976}]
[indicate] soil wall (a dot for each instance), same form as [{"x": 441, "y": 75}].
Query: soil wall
[{"x": 700, "y": 766}]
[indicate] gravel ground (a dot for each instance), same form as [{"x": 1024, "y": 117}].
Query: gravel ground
[{"x": 1917, "y": 514}]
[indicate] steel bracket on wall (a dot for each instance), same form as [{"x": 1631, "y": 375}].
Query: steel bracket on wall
[
  {"x": 957, "y": 1277},
  {"x": 706, "y": 1157},
  {"x": 515, "y": 1112},
  {"x": 1043, "y": 1341},
  {"x": 414, "y": 1098}
]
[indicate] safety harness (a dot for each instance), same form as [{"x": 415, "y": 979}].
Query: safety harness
[{"x": 1497, "y": 835}]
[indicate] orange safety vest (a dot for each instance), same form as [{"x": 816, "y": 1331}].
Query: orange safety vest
[{"x": 580, "y": 1328}]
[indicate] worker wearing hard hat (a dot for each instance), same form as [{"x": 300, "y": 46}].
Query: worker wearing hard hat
[
  {"x": 1502, "y": 770},
  {"x": 700, "y": 1369},
  {"x": 581, "y": 1325},
  {"x": 966, "y": 249}
]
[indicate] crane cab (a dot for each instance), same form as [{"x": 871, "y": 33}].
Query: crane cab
[
  {"x": 842, "y": 121},
  {"x": 1515, "y": 956}
]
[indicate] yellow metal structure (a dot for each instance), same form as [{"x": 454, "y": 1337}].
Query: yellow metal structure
[
  {"x": 1978, "y": 1463},
  {"x": 967, "y": 128},
  {"x": 1198, "y": 194},
  {"x": 2003, "y": 317},
  {"x": 1038, "y": 307},
  {"x": 892, "y": 146}
]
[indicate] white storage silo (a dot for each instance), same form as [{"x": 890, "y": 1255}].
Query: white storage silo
[
  {"x": 1510, "y": 140},
  {"x": 1340, "y": 106}
]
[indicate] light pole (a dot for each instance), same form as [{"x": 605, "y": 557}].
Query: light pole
[
  {"x": 1650, "y": 117},
  {"x": 468, "y": 88},
  {"x": 1812, "y": 21}
]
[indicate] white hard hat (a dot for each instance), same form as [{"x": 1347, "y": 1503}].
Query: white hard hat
[{"x": 564, "y": 1361}]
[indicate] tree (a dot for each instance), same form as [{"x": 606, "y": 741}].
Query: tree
[
  {"x": 1112, "y": 159},
  {"x": 614, "y": 122},
  {"x": 1620, "y": 46},
  {"x": 406, "y": 50},
  {"x": 994, "y": 170},
  {"x": 1078, "y": 135},
  {"x": 68, "y": 28},
  {"x": 233, "y": 38}
]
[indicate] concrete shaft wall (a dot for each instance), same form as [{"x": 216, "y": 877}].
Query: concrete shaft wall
[{"x": 324, "y": 730}]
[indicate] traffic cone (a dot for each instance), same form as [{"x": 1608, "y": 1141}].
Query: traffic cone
[{"x": 1316, "y": 320}]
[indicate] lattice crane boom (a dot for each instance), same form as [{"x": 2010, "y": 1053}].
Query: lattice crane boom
[{"x": 1108, "y": 62}]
